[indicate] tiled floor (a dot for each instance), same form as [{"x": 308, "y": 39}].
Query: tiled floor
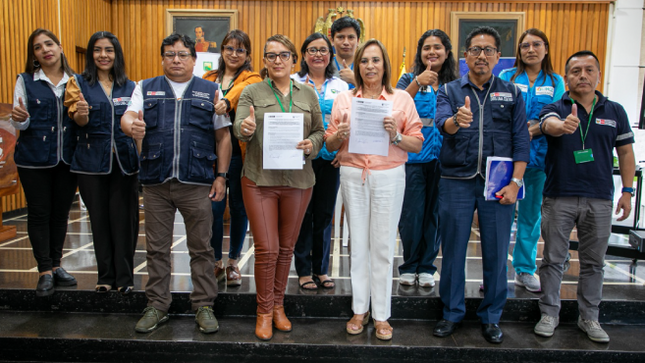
[{"x": 624, "y": 279}]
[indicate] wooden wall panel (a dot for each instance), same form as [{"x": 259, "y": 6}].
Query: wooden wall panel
[{"x": 571, "y": 26}]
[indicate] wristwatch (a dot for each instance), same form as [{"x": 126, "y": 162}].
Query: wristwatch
[
  {"x": 519, "y": 182},
  {"x": 628, "y": 190},
  {"x": 397, "y": 138},
  {"x": 223, "y": 175}
]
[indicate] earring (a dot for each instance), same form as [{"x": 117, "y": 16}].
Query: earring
[{"x": 36, "y": 64}]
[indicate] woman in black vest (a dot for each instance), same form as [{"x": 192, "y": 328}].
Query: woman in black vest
[
  {"x": 106, "y": 160},
  {"x": 43, "y": 154}
]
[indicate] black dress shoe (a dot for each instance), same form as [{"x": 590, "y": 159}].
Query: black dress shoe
[
  {"x": 62, "y": 278},
  {"x": 126, "y": 290},
  {"x": 45, "y": 285},
  {"x": 444, "y": 328},
  {"x": 492, "y": 333}
]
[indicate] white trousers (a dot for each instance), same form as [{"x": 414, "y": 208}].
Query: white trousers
[{"x": 373, "y": 210}]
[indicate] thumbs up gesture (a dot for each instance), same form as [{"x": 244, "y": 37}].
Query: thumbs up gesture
[
  {"x": 19, "y": 113},
  {"x": 428, "y": 77},
  {"x": 572, "y": 121},
  {"x": 346, "y": 74},
  {"x": 343, "y": 129},
  {"x": 248, "y": 124},
  {"x": 139, "y": 127},
  {"x": 82, "y": 107},
  {"x": 464, "y": 115}
]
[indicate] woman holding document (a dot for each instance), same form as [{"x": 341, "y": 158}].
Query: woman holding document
[
  {"x": 277, "y": 179},
  {"x": 372, "y": 177}
]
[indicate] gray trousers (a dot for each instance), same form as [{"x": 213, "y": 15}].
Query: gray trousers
[
  {"x": 592, "y": 217},
  {"x": 160, "y": 204}
]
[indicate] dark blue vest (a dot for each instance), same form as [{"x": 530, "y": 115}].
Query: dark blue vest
[
  {"x": 180, "y": 136},
  {"x": 51, "y": 135},
  {"x": 102, "y": 134}
]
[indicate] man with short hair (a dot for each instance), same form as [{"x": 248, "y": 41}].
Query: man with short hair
[
  {"x": 581, "y": 129},
  {"x": 345, "y": 34},
  {"x": 203, "y": 45},
  {"x": 479, "y": 116},
  {"x": 173, "y": 118}
]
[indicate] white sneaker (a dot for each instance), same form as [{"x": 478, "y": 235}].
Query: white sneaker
[
  {"x": 407, "y": 279},
  {"x": 426, "y": 280},
  {"x": 528, "y": 281}
]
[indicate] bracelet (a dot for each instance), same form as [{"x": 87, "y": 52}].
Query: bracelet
[
  {"x": 416, "y": 80},
  {"x": 454, "y": 120}
]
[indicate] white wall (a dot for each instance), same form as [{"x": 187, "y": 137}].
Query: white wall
[{"x": 623, "y": 76}]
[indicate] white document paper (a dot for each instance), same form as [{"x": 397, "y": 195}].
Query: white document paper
[
  {"x": 282, "y": 133},
  {"x": 368, "y": 136}
]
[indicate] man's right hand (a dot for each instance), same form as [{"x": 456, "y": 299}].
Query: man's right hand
[
  {"x": 346, "y": 74},
  {"x": 19, "y": 113},
  {"x": 464, "y": 115},
  {"x": 138, "y": 127},
  {"x": 570, "y": 124}
]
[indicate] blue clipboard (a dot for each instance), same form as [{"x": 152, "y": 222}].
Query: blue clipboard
[{"x": 499, "y": 172}]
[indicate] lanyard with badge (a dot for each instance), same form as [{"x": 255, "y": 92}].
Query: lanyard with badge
[
  {"x": 584, "y": 155},
  {"x": 278, "y": 98}
]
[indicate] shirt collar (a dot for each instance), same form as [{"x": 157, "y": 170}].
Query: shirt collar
[
  {"x": 465, "y": 81},
  {"x": 40, "y": 75}
]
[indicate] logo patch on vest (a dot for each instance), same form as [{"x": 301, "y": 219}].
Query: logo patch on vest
[
  {"x": 501, "y": 96},
  {"x": 544, "y": 91},
  {"x": 606, "y": 122},
  {"x": 156, "y": 93},
  {"x": 202, "y": 95},
  {"x": 121, "y": 101}
]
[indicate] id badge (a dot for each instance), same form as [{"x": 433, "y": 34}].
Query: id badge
[{"x": 583, "y": 156}]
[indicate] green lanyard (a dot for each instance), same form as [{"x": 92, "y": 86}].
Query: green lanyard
[
  {"x": 278, "y": 98},
  {"x": 583, "y": 137},
  {"x": 225, "y": 91}
]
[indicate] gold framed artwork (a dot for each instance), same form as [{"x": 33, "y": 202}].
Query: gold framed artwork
[{"x": 207, "y": 27}]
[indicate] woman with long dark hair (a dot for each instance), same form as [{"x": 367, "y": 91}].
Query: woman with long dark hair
[
  {"x": 233, "y": 74},
  {"x": 540, "y": 85},
  {"x": 434, "y": 65},
  {"x": 43, "y": 153},
  {"x": 311, "y": 253},
  {"x": 106, "y": 160}
]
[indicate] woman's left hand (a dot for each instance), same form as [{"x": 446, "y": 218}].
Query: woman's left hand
[
  {"x": 389, "y": 123},
  {"x": 306, "y": 145},
  {"x": 221, "y": 107}
]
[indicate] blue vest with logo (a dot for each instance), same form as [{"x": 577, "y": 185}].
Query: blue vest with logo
[
  {"x": 51, "y": 135},
  {"x": 426, "y": 104},
  {"x": 103, "y": 134},
  {"x": 180, "y": 135}
]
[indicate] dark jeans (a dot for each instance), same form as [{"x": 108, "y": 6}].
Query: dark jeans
[
  {"x": 239, "y": 221},
  {"x": 419, "y": 223},
  {"x": 112, "y": 202},
  {"x": 49, "y": 193},
  {"x": 312, "y": 248}
]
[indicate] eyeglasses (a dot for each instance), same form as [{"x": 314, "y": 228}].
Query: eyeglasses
[
  {"x": 313, "y": 50},
  {"x": 271, "y": 57},
  {"x": 476, "y": 51},
  {"x": 230, "y": 50},
  {"x": 171, "y": 56},
  {"x": 536, "y": 45}
]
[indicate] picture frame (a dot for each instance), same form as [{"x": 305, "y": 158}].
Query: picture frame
[
  {"x": 214, "y": 24},
  {"x": 509, "y": 25}
]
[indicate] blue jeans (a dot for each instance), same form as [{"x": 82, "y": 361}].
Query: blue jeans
[
  {"x": 458, "y": 200},
  {"x": 311, "y": 252},
  {"x": 419, "y": 223},
  {"x": 239, "y": 221},
  {"x": 528, "y": 222}
]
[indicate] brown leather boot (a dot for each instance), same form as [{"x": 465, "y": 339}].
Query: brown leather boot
[
  {"x": 280, "y": 319},
  {"x": 264, "y": 326}
]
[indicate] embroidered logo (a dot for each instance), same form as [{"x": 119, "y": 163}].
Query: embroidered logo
[
  {"x": 121, "y": 101},
  {"x": 156, "y": 93},
  {"x": 606, "y": 122},
  {"x": 501, "y": 96},
  {"x": 524, "y": 88},
  {"x": 201, "y": 94}
]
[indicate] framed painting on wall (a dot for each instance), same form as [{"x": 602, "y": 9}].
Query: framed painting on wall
[
  {"x": 509, "y": 26},
  {"x": 207, "y": 27}
]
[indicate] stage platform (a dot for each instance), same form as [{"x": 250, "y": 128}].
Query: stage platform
[{"x": 79, "y": 325}]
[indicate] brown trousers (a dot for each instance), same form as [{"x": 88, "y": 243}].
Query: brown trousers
[
  {"x": 275, "y": 215},
  {"x": 160, "y": 204}
]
